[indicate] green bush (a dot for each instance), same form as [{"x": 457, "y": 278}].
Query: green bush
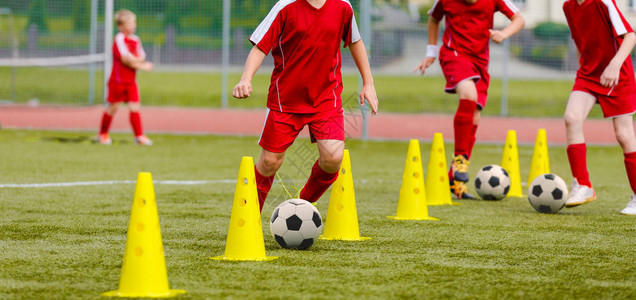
[
  {"x": 81, "y": 15},
  {"x": 552, "y": 31},
  {"x": 37, "y": 15}
]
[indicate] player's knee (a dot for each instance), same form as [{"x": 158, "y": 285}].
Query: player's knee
[
  {"x": 271, "y": 163},
  {"x": 111, "y": 109},
  {"x": 625, "y": 137},
  {"x": 572, "y": 120},
  {"x": 331, "y": 162}
]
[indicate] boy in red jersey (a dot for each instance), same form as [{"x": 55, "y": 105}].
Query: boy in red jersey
[
  {"x": 305, "y": 37},
  {"x": 606, "y": 75},
  {"x": 128, "y": 57},
  {"x": 464, "y": 61}
]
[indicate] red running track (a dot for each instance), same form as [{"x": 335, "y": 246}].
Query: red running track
[{"x": 388, "y": 126}]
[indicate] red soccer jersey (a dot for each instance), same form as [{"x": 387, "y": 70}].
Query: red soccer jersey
[
  {"x": 468, "y": 25},
  {"x": 597, "y": 27},
  {"x": 125, "y": 45},
  {"x": 305, "y": 44}
]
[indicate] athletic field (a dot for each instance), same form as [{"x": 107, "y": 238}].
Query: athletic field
[{"x": 66, "y": 241}]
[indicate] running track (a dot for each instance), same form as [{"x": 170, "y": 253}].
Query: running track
[{"x": 385, "y": 126}]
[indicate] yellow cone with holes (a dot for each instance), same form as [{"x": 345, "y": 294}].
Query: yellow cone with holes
[
  {"x": 342, "y": 215},
  {"x": 143, "y": 272},
  {"x": 412, "y": 201},
  {"x": 540, "y": 161},
  {"x": 438, "y": 187},
  {"x": 245, "y": 235},
  {"x": 510, "y": 163}
]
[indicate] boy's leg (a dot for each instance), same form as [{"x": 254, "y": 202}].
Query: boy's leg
[
  {"x": 107, "y": 118},
  {"x": 325, "y": 170},
  {"x": 265, "y": 170},
  {"x": 104, "y": 128},
  {"x": 624, "y": 129},
  {"x": 464, "y": 128},
  {"x": 135, "y": 118},
  {"x": 578, "y": 107},
  {"x": 473, "y": 138}
]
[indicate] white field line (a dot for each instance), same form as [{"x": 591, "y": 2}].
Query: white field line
[{"x": 112, "y": 182}]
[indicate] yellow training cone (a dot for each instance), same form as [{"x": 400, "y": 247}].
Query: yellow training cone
[
  {"x": 540, "y": 161},
  {"x": 245, "y": 236},
  {"x": 342, "y": 215},
  {"x": 143, "y": 272},
  {"x": 438, "y": 191},
  {"x": 510, "y": 163},
  {"x": 412, "y": 202}
]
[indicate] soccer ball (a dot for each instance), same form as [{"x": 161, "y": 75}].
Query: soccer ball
[
  {"x": 492, "y": 183},
  {"x": 296, "y": 224},
  {"x": 547, "y": 193}
]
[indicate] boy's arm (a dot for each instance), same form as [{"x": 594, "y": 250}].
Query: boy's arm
[
  {"x": 359, "y": 53},
  {"x": 431, "y": 50},
  {"x": 243, "y": 89},
  {"x": 612, "y": 71},
  {"x": 516, "y": 24},
  {"x": 137, "y": 63}
]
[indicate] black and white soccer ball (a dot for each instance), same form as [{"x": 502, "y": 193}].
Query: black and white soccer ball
[
  {"x": 492, "y": 183},
  {"x": 547, "y": 193},
  {"x": 296, "y": 224}
]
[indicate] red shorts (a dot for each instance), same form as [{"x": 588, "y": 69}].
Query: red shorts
[
  {"x": 123, "y": 92},
  {"x": 457, "y": 67},
  {"x": 281, "y": 129},
  {"x": 613, "y": 104}
]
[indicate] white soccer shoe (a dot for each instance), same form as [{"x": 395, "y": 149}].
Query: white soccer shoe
[
  {"x": 143, "y": 140},
  {"x": 631, "y": 207},
  {"x": 580, "y": 194}
]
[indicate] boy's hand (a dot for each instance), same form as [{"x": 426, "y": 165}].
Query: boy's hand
[
  {"x": 427, "y": 62},
  {"x": 497, "y": 36},
  {"x": 610, "y": 75},
  {"x": 242, "y": 90},
  {"x": 146, "y": 66},
  {"x": 368, "y": 92}
]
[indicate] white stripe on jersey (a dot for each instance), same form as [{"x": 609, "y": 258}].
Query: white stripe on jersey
[
  {"x": 263, "y": 28},
  {"x": 355, "y": 33},
  {"x": 121, "y": 44},
  {"x": 140, "y": 48},
  {"x": 430, "y": 11},
  {"x": 511, "y": 6},
  {"x": 615, "y": 17}
]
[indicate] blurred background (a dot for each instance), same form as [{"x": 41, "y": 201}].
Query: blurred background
[{"x": 55, "y": 52}]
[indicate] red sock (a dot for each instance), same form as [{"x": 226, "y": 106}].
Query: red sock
[
  {"x": 577, "y": 155},
  {"x": 135, "y": 121},
  {"x": 263, "y": 185},
  {"x": 473, "y": 138},
  {"x": 319, "y": 181},
  {"x": 630, "y": 166},
  {"x": 105, "y": 126},
  {"x": 463, "y": 125}
]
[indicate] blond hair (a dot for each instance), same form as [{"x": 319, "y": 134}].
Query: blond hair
[{"x": 123, "y": 15}]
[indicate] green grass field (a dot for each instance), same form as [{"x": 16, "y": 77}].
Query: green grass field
[
  {"x": 68, "y": 242},
  {"x": 406, "y": 94}
]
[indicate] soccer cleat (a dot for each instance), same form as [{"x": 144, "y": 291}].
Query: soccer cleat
[
  {"x": 104, "y": 139},
  {"x": 460, "y": 190},
  {"x": 631, "y": 207},
  {"x": 143, "y": 140},
  {"x": 580, "y": 194},
  {"x": 460, "y": 168}
]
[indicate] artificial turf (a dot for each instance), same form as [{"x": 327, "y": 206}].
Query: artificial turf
[{"x": 68, "y": 242}]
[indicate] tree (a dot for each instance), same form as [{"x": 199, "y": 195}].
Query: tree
[
  {"x": 81, "y": 15},
  {"x": 37, "y": 15}
]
